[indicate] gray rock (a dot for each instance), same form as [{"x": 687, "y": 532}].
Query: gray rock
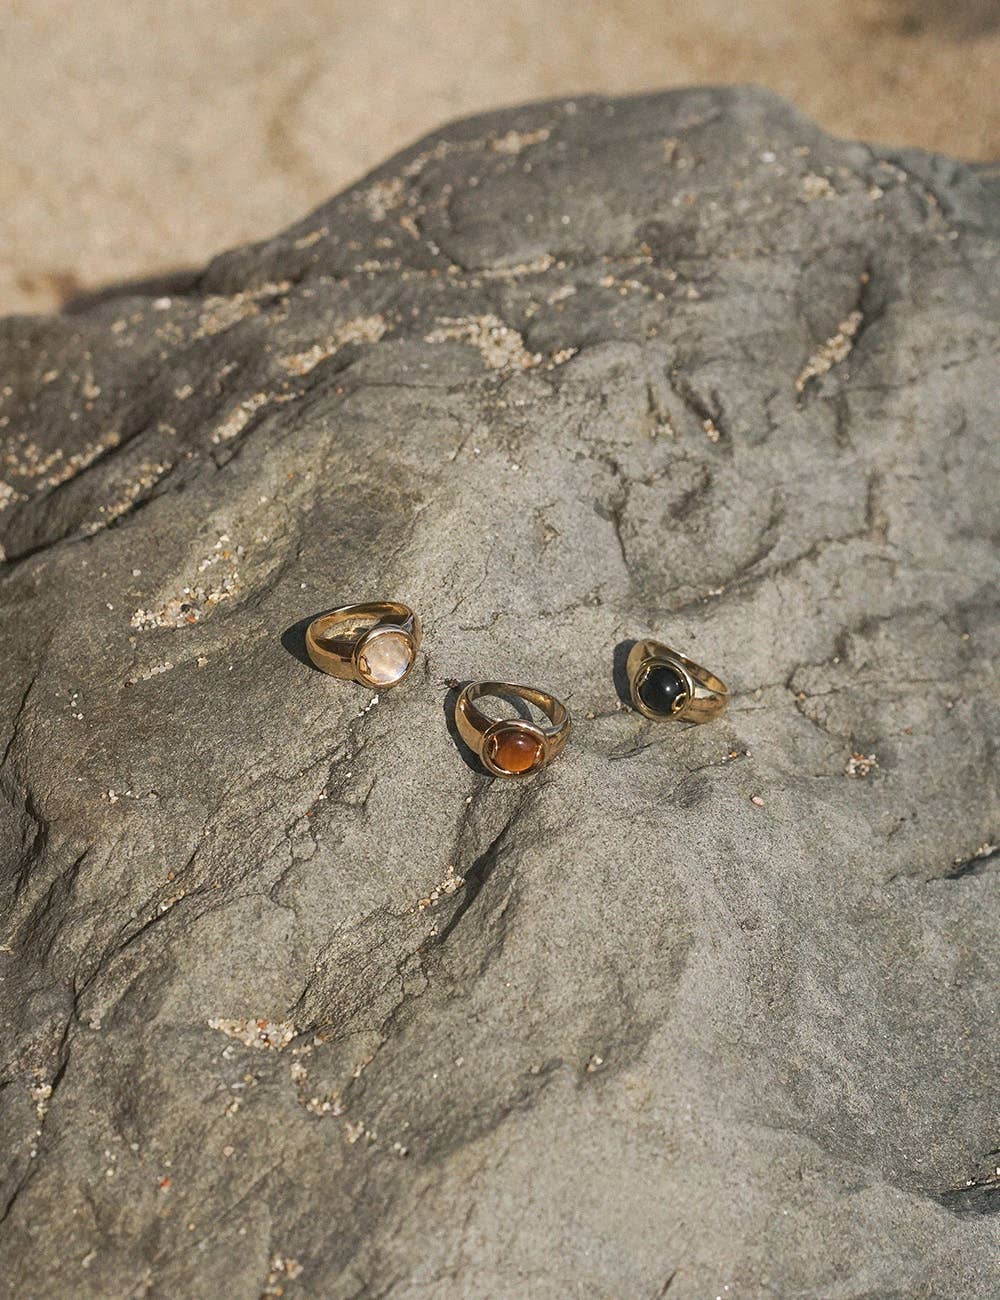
[{"x": 710, "y": 1015}]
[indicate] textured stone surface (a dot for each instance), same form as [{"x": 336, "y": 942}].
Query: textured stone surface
[{"x": 292, "y": 997}]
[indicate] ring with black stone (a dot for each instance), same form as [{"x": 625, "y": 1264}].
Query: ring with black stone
[{"x": 665, "y": 684}]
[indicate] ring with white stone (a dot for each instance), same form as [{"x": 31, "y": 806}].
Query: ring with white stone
[{"x": 373, "y": 643}]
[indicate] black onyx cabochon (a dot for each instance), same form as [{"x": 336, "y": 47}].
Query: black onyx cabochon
[{"x": 660, "y": 688}]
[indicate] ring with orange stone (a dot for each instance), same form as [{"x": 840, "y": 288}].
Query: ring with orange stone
[{"x": 512, "y": 747}]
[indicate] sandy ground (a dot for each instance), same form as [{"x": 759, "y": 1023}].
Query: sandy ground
[{"x": 140, "y": 137}]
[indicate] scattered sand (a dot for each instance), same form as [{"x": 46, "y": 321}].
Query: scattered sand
[
  {"x": 272, "y": 1035},
  {"x": 861, "y": 765},
  {"x": 500, "y": 346},
  {"x": 837, "y": 348}
]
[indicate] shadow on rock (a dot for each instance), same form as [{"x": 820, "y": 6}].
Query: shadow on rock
[
  {"x": 293, "y": 639},
  {"x": 619, "y": 669}
]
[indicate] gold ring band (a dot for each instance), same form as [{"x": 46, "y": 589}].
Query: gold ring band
[
  {"x": 665, "y": 684},
  {"x": 513, "y": 747},
  {"x": 373, "y": 643}
]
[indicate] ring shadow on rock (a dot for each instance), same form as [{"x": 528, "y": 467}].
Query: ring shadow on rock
[
  {"x": 293, "y": 639},
  {"x": 469, "y": 757},
  {"x": 619, "y": 670}
]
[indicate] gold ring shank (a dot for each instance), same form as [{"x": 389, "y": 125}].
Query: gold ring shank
[
  {"x": 374, "y": 642},
  {"x": 700, "y": 697},
  {"x": 512, "y": 747}
]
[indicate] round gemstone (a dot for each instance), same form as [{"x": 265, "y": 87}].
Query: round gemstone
[
  {"x": 514, "y": 751},
  {"x": 662, "y": 690},
  {"x": 385, "y": 658}
]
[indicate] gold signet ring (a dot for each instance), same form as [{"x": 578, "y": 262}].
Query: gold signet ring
[
  {"x": 665, "y": 684},
  {"x": 374, "y": 643},
  {"x": 511, "y": 746}
]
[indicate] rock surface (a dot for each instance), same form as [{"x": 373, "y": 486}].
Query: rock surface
[{"x": 294, "y": 1002}]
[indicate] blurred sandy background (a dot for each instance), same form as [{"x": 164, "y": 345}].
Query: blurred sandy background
[{"x": 138, "y": 136}]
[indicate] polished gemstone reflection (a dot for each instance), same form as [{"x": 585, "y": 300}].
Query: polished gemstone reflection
[
  {"x": 514, "y": 751},
  {"x": 385, "y": 658},
  {"x": 663, "y": 690}
]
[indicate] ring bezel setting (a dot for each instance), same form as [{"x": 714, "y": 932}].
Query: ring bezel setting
[
  {"x": 377, "y": 639},
  {"x": 647, "y": 669},
  {"x": 515, "y": 739}
]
